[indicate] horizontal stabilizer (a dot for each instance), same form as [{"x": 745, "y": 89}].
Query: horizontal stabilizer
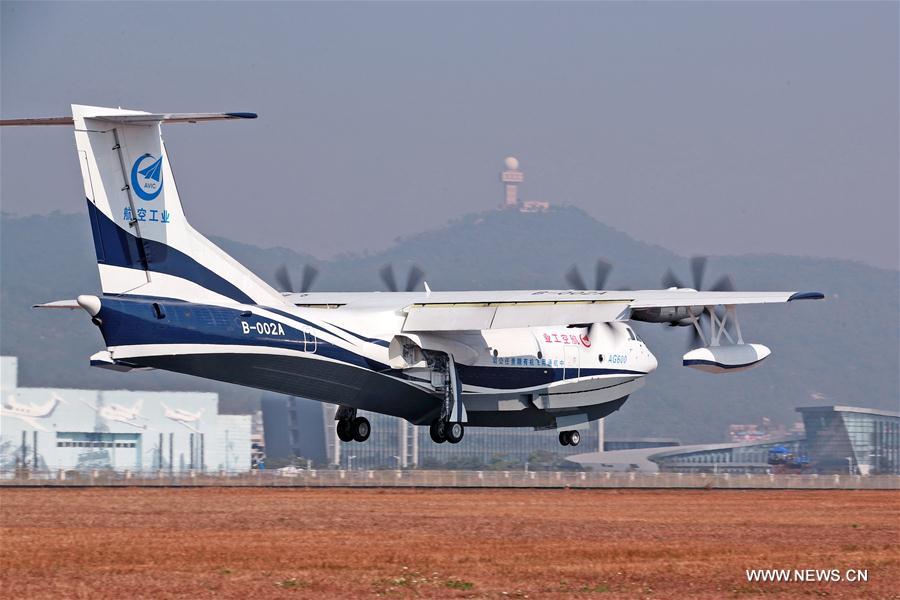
[
  {"x": 70, "y": 304},
  {"x": 39, "y": 121},
  {"x": 136, "y": 119}
]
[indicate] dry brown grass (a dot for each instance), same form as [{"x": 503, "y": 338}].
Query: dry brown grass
[{"x": 214, "y": 542}]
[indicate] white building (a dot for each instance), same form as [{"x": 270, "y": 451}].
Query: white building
[
  {"x": 511, "y": 177},
  {"x": 65, "y": 429}
]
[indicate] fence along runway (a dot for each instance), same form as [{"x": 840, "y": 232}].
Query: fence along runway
[{"x": 425, "y": 478}]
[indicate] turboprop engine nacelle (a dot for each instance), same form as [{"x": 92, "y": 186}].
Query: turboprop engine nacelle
[
  {"x": 726, "y": 359},
  {"x": 673, "y": 314}
]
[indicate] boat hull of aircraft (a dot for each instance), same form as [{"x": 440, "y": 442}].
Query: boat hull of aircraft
[{"x": 358, "y": 388}]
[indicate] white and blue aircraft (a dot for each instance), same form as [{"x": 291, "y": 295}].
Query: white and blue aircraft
[{"x": 547, "y": 359}]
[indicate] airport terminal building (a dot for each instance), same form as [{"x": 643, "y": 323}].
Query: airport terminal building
[
  {"x": 57, "y": 429},
  {"x": 851, "y": 438},
  {"x": 838, "y": 439}
]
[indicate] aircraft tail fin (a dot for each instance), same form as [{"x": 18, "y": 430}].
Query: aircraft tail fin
[{"x": 143, "y": 241}]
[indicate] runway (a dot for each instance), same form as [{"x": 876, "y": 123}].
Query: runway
[{"x": 265, "y": 542}]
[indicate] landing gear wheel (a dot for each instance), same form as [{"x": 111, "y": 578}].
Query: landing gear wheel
[
  {"x": 574, "y": 438},
  {"x": 454, "y": 432},
  {"x": 564, "y": 438},
  {"x": 437, "y": 432},
  {"x": 345, "y": 430},
  {"x": 361, "y": 429}
]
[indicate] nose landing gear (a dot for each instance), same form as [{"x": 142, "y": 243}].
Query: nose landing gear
[{"x": 569, "y": 438}]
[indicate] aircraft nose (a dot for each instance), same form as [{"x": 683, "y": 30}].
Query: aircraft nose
[
  {"x": 646, "y": 360},
  {"x": 641, "y": 358}
]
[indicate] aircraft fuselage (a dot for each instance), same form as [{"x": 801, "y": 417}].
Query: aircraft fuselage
[{"x": 537, "y": 376}]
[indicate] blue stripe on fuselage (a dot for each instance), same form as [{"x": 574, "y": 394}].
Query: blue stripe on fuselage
[
  {"x": 127, "y": 321},
  {"x": 376, "y": 341},
  {"x": 307, "y": 323},
  {"x": 120, "y": 248},
  {"x": 509, "y": 378}
]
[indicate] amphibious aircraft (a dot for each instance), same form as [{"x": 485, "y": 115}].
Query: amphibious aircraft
[{"x": 547, "y": 359}]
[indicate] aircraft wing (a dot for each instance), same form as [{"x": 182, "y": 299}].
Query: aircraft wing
[
  {"x": 497, "y": 310},
  {"x": 494, "y": 313},
  {"x": 475, "y": 310},
  {"x": 685, "y": 297}
]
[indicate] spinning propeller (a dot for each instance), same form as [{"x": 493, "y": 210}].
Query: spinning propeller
[
  {"x": 601, "y": 273},
  {"x": 413, "y": 279},
  {"x": 283, "y": 278},
  {"x": 698, "y": 270}
]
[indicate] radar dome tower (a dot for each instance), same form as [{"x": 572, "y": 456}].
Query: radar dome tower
[{"x": 511, "y": 177}]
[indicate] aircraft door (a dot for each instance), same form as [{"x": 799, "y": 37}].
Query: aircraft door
[
  {"x": 570, "y": 362},
  {"x": 310, "y": 342}
]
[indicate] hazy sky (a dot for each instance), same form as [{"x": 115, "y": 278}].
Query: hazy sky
[{"x": 716, "y": 128}]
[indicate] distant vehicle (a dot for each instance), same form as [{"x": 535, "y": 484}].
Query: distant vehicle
[
  {"x": 547, "y": 359},
  {"x": 289, "y": 471},
  {"x": 785, "y": 460}
]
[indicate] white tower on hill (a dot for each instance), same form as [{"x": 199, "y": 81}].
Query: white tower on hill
[{"x": 511, "y": 177}]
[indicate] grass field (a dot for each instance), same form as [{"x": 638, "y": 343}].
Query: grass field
[{"x": 213, "y": 542}]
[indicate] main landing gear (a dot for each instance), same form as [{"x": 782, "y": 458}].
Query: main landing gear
[
  {"x": 448, "y": 427},
  {"x": 569, "y": 438},
  {"x": 442, "y": 431},
  {"x": 351, "y": 428}
]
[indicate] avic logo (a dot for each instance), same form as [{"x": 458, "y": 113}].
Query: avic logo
[{"x": 146, "y": 177}]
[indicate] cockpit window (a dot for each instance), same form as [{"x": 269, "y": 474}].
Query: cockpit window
[{"x": 631, "y": 333}]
